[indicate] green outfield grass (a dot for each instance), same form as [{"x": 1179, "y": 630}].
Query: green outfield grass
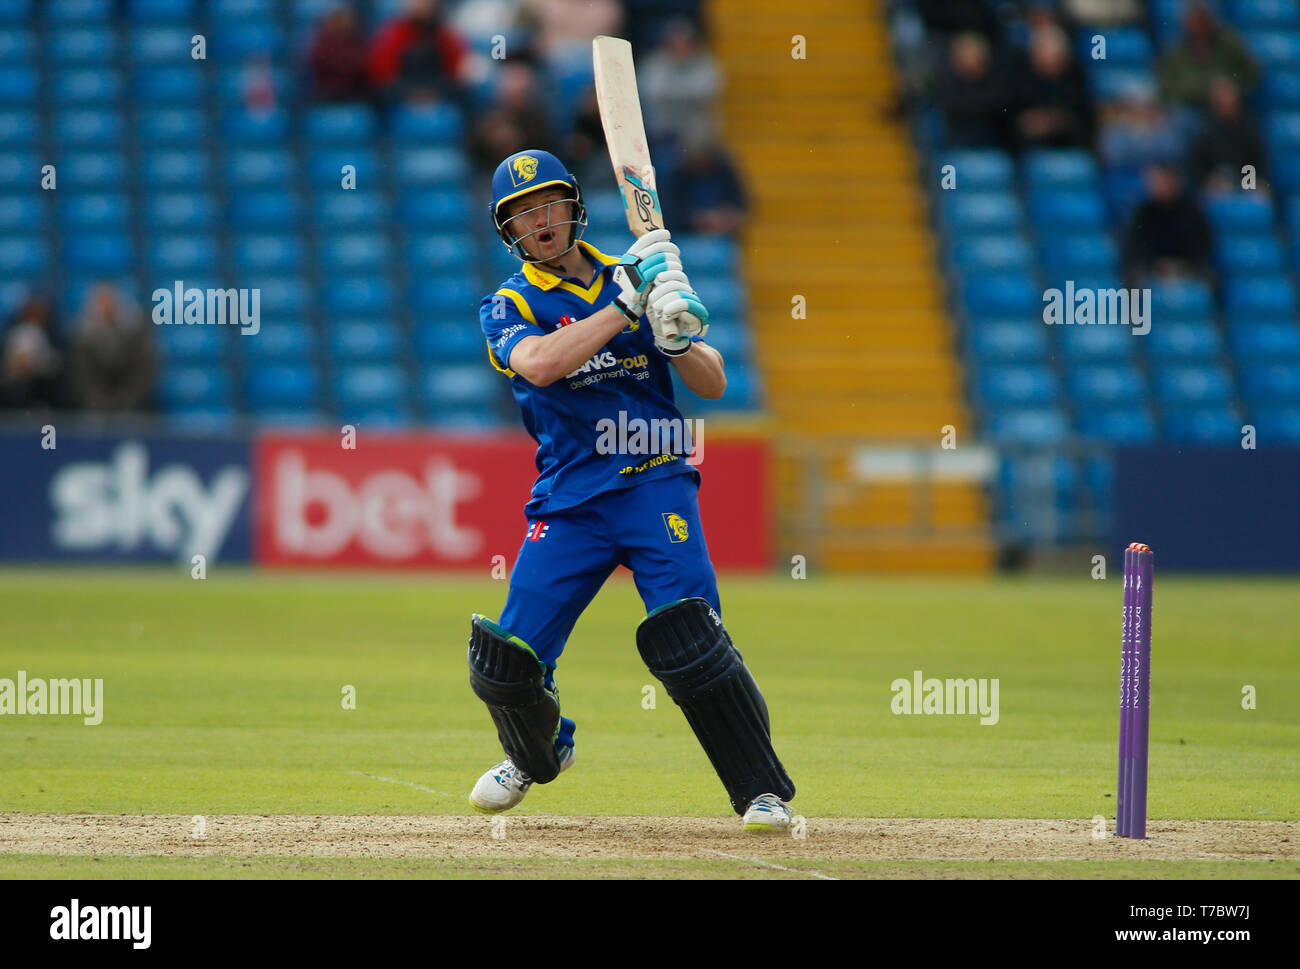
[{"x": 223, "y": 696}]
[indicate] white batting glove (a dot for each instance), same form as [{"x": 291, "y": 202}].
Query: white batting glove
[
  {"x": 652, "y": 254},
  {"x": 677, "y": 314}
]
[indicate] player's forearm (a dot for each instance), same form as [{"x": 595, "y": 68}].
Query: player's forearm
[
  {"x": 542, "y": 360},
  {"x": 702, "y": 371}
]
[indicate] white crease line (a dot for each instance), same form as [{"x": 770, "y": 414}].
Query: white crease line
[
  {"x": 769, "y": 864},
  {"x": 394, "y": 780}
]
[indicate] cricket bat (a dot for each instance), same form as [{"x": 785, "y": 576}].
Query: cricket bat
[{"x": 620, "y": 115}]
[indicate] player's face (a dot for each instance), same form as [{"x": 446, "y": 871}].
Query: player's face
[{"x": 538, "y": 219}]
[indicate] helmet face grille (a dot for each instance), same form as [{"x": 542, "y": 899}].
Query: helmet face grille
[{"x": 515, "y": 245}]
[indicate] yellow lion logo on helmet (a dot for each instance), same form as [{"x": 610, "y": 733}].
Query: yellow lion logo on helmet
[
  {"x": 677, "y": 529},
  {"x": 525, "y": 167}
]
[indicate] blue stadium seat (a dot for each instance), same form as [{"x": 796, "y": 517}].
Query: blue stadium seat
[
  {"x": 161, "y": 11},
  {"x": 175, "y": 169},
  {"x": 189, "y": 384},
  {"x": 708, "y": 254},
  {"x": 605, "y": 210},
  {"x": 1189, "y": 340},
  {"x": 326, "y": 166},
  {"x": 1279, "y": 90},
  {"x": 355, "y": 252},
  {"x": 92, "y": 171},
  {"x": 424, "y": 125},
  {"x": 17, "y": 45},
  {"x": 251, "y": 210},
  {"x": 281, "y": 252},
  {"x": 1001, "y": 251},
  {"x": 16, "y": 13},
  {"x": 18, "y": 129},
  {"x": 1004, "y": 339},
  {"x": 1216, "y": 425},
  {"x": 282, "y": 385},
  {"x": 454, "y": 341},
  {"x": 1125, "y": 46},
  {"x": 169, "y": 86},
  {"x": 370, "y": 385},
  {"x": 82, "y": 46},
  {"x": 447, "y": 253},
  {"x": 87, "y": 128},
  {"x": 1203, "y": 384},
  {"x": 107, "y": 254},
  {"x": 978, "y": 169},
  {"x": 1002, "y": 294},
  {"x": 965, "y": 212},
  {"x": 1274, "y": 47},
  {"x": 200, "y": 419},
  {"x": 20, "y": 212},
  {"x": 261, "y": 168},
  {"x": 375, "y": 339},
  {"x": 171, "y": 127},
  {"x": 341, "y": 124},
  {"x": 461, "y": 385},
  {"x": 1060, "y": 168},
  {"x": 1263, "y": 13},
  {"x": 1017, "y": 384},
  {"x": 430, "y": 166},
  {"x": 1277, "y": 424},
  {"x": 155, "y": 45},
  {"x": 299, "y": 417},
  {"x": 1254, "y": 253},
  {"x": 1067, "y": 256},
  {"x": 734, "y": 340},
  {"x": 1240, "y": 212},
  {"x": 194, "y": 211},
  {"x": 1028, "y": 426},
  {"x": 85, "y": 88},
  {"x": 339, "y": 208},
  {"x": 281, "y": 339},
  {"x": 1181, "y": 300},
  {"x": 1068, "y": 209},
  {"x": 1123, "y": 191},
  {"x": 452, "y": 296},
  {"x": 1131, "y": 424},
  {"x": 1272, "y": 382},
  {"x": 1110, "y": 82},
  {"x": 181, "y": 255},
  {"x": 239, "y": 39},
  {"x": 720, "y": 290},
  {"x": 1111, "y": 385},
  {"x": 18, "y": 85},
  {"x": 201, "y": 344},
  {"x": 1265, "y": 339},
  {"x": 434, "y": 209},
  {"x": 76, "y": 12},
  {"x": 19, "y": 170},
  {"x": 23, "y": 256},
  {"x": 1263, "y": 296},
  {"x": 86, "y": 212},
  {"x": 1097, "y": 343},
  {"x": 269, "y": 128},
  {"x": 281, "y": 295},
  {"x": 238, "y": 11},
  {"x": 358, "y": 296}
]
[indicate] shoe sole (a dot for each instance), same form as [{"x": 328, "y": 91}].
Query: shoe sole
[{"x": 764, "y": 828}]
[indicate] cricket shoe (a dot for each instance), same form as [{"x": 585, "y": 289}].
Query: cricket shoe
[
  {"x": 767, "y": 812},
  {"x": 505, "y": 785}
]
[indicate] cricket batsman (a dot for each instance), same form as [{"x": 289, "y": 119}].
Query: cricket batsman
[{"x": 583, "y": 336}]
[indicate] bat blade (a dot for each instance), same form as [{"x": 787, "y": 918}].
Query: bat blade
[{"x": 620, "y": 115}]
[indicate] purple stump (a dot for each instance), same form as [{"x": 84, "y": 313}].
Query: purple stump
[
  {"x": 1141, "y": 726},
  {"x": 1125, "y": 699}
]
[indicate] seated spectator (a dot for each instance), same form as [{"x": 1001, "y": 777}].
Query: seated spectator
[
  {"x": 31, "y": 361},
  {"x": 517, "y": 119},
  {"x": 1136, "y": 131},
  {"x": 1230, "y": 141},
  {"x": 1208, "y": 50},
  {"x": 1168, "y": 235},
  {"x": 563, "y": 28},
  {"x": 1054, "y": 110},
  {"x": 113, "y": 354},
  {"x": 679, "y": 85},
  {"x": 704, "y": 193},
  {"x": 417, "y": 57},
  {"x": 974, "y": 93},
  {"x": 337, "y": 59},
  {"x": 1103, "y": 13}
]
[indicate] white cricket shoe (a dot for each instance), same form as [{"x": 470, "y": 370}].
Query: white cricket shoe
[
  {"x": 767, "y": 812},
  {"x": 505, "y": 785}
]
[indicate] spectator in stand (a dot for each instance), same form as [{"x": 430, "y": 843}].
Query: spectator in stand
[
  {"x": 585, "y": 148},
  {"x": 417, "y": 57},
  {"x": 945, "y": 19},
  {"x": 974, "y": 93},
  {"x": 644, "y": 20},
  {"x": 1136, "y": 131},
  {"x": 1209, "y": 50},
  {"x": 1103, "y": 13},
  {"x": 1168, "y": 235},
  {"x": 704, "y": 193},
  {"x": 1054, "y": 110},
  {"x": 679, "y": 86},
  {"x": 517, "y": 119},
  {"x": 1230, "y": 141},
  {"x": 113, "y": 360},
  {"x": 337, "y": 58},
  {"x": 31, "y": 361},
  {"x": 563, "y": 28}
]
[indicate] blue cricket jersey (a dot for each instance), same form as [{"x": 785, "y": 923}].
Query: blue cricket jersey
[{"x": 626, "y": 384}]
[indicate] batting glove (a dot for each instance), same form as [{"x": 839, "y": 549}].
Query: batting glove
[
  {"x": 677, "y": 314},
  {"x": 652, "y": 254}
]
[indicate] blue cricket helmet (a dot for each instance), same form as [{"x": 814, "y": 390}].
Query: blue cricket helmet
[{"x": 527, "y": 171}]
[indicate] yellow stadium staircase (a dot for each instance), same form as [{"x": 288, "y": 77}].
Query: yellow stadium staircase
[{"x": 854, "y": 343}]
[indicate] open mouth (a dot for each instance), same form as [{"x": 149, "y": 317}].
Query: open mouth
[{"x": 546, "y": 237}]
